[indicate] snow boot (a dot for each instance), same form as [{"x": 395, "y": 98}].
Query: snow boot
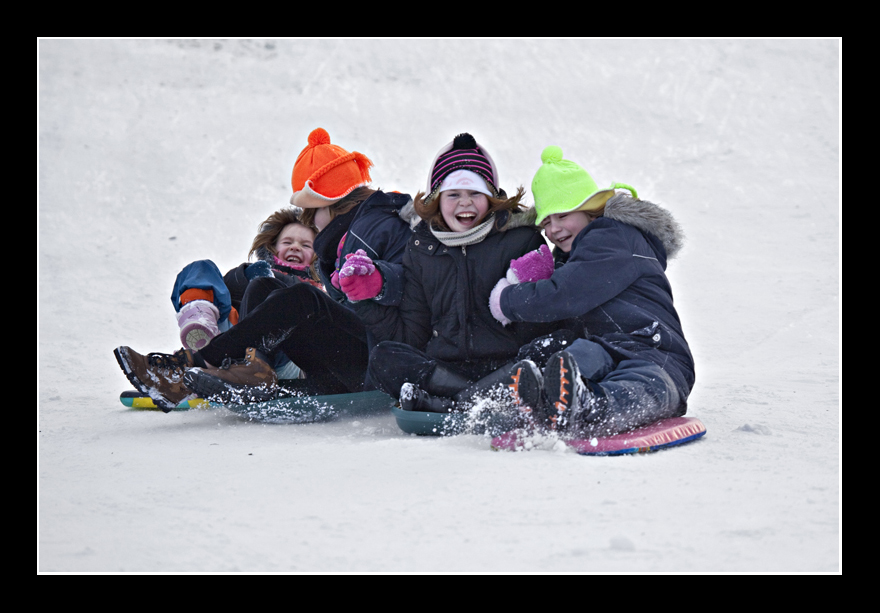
[
  {"x": 413, "y": 398},
  {"x": 568, "y": 396},
  {"x": 198, "y": 323},
  {"x": 526, "y": 386},
  {"x": 159, "y": 375},
  {"x": 498, "y": 386},
  {"x": 251, "y": 379}
]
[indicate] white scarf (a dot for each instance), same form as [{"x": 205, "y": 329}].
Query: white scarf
[{"x": 470, "y": 237}]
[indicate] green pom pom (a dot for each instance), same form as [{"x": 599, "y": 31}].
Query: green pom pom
[{"x": 551, "y": 154}]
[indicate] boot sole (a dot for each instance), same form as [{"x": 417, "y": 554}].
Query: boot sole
[
  {"x": 196, "y": 337},
  {"x": 559, "y": 386},
  {"x": 526, "y": 385}
]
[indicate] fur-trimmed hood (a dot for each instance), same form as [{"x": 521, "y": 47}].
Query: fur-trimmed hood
[
  {"x": 409, "y": 215},
  {"x": 525, "y": 217},
  {"x": 647, "y": 217}
]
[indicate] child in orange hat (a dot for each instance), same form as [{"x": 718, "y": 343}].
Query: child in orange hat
[
  {"x": 315, "y": 329},
  {"x": 324, "y": 173}
]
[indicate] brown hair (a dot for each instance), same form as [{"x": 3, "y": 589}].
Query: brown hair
[
  {"x": 429, "y": 210},
  {"x": 340, "y": 207},
  {"x": 271, "y": 229}
]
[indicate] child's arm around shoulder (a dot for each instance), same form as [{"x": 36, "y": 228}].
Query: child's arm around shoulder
[{"x": 599, "y": 267}]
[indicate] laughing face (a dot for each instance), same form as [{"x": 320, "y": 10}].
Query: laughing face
[
  {"x": 463, "y": 209},
  {"x": 294, "y": 245},
  {"x": 562, "y": 228}
]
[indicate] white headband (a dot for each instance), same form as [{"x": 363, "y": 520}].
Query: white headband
[{"x": 464, "y": 179}]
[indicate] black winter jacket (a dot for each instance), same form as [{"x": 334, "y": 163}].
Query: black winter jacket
[{"x": 445, "y": 305}]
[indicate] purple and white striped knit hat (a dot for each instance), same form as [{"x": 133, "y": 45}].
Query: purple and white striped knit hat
[{"x": 462, "y": 153}]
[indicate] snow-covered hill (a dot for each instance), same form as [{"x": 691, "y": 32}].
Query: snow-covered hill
[{"x": 154, "y": 153}]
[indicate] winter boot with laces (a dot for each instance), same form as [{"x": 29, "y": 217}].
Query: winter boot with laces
[
  {"x": 251, "y": 379},
  {"x": 159, "y": 375}
]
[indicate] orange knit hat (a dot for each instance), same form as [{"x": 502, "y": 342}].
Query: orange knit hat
[{"x": 324, "y": 173}]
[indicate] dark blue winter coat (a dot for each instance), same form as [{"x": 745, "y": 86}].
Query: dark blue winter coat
[
  {"x": 379, "y": 226},
  {"x": 614, "y": 284}
]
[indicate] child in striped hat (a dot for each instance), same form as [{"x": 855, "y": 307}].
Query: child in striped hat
[{"x": 441, "y": 341}]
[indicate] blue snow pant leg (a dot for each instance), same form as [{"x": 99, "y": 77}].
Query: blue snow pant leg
[
  {"x": 628, "y": 395},
  {"x": 592, "y": 359},
  {"x": 203, "y": 274},
  {"x": 636, "y": 393}
]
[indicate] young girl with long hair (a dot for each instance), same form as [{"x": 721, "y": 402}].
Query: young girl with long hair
[{"x": 442, "y": 337}]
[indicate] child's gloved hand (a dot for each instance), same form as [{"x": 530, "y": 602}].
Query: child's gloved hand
[
  {"x": 495, "y": 301},
  {"x": 359, "y": 278},
  {"x": 334, "y": 276},
  {"x": 258, "y": 269},
  {"x": 533, "y": 266}
]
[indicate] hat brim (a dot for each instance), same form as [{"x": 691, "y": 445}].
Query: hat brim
[
  {"x": 593, "y": 202},
  {"x": 307, "y": 198}
]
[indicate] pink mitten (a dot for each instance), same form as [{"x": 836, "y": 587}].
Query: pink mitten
[
  {"x": 533, "y": 266},
  {"x": 359, "y": 278}
]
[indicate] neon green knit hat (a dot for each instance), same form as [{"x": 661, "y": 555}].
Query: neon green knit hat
[{"x": 561, "y": 186}]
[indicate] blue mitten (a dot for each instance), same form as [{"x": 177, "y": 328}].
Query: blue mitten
[{"x": 258, "y": 269}]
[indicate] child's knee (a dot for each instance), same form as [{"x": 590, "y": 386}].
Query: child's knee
[{"x": 592, "y": 359}]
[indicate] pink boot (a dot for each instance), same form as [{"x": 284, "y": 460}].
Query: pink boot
[{"x": 198, "y": 324}]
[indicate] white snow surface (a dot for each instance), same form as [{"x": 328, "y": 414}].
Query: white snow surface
[{"x": 155, "y": 153}]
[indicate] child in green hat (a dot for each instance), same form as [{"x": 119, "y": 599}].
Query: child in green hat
[{"x": 632, "y": 365}]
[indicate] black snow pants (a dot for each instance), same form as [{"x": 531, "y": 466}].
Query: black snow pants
[{"x": 325, "y": 339}]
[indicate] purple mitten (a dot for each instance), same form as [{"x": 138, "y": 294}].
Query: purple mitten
[
  {"x": 495, "y": 301},
  {"x": 359, "y": 278},
  {"x": 533, "y": 266}
]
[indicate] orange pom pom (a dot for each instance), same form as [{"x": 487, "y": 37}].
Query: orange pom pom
[{"x": 319, "y": 136}]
